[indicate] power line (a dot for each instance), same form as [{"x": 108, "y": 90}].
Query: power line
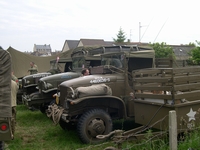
[
  {"x": 146, "y": 29},
  {"x": 160, "y": 30}
]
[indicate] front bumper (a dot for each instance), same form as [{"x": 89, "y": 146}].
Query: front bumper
[
  {"x": 26, "y": 100},
  {"x": 37, "y": 100}
]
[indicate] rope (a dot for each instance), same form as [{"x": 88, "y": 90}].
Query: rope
[{"x": 55, "y": 113}]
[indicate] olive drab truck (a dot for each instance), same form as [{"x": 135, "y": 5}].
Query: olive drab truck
[
  {"x": 30, "y": 82},
  {"x": 92, "y": 102},
  {"x": 82, "y": 57},
  {"x": 5, "y": 98}
]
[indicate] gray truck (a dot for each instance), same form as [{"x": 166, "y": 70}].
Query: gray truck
[
  {"x": 5, "y": 98},
  {"x": 82, "y": 57},
  {"x": 92, "y": 102}
]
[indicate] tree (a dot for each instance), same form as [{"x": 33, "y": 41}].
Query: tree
[
  {"x": 195, "y": 55},
  {"x": 120, "y": 36},
  {"x": 162, "y": 50},
  {"x": 192, "y": 44}
]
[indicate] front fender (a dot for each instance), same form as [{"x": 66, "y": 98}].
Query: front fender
[
  {"x": 113, "y": 105},
  {"x": 50, "y": 90},
  {"x": 31, "y": 85}
]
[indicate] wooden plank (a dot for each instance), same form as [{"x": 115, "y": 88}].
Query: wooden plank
[
  {"x": 153, "y": 79},
  {"x": 187, "y": 87},
  {"x": 146, "y": 71},
  {"x": 151, "y": 88},
  {"x": 186, "y": 69},
  {"x": 189, "y": 70},
  {"x": 152, "y": 71},
  {"x": 188, "y": 95},
  {"x": 189, "y": 78},
  {"x": 153, "y": 96}
]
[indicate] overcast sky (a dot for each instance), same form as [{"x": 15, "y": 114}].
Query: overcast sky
[{"x": 24, "y": 23}]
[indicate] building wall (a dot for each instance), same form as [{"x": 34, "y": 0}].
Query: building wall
[
  {"x": 66, "y": 47},
  {"x": 42, "y": 49},
  {"x": 80, "y": 44}
]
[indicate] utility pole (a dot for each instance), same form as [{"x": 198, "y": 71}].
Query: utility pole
[
  {"x": 130, "y": 34},
  {"x": 139, "y": 31},
  {"x": 140, "y": 26}
]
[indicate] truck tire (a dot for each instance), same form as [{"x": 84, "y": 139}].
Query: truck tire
[
  {"x": 92, "y": 123},
  {"x": 2, "y": 145},
  {"x": 66, "y": 126},
  {"x": 43, "y": 108}
]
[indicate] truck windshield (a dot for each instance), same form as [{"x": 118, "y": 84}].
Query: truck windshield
[
  {"x": 78, "y": 62},
  {"x": 114, "y": 60}
]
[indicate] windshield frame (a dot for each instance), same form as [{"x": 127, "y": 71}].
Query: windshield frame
[{"x": 114, "y": 59}]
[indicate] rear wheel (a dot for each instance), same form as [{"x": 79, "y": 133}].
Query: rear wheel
[{"x": 92, "y": 123}]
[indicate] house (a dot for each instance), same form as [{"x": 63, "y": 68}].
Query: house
[
  {"x": 181, "y": 51},
  {"x": 91, "y": 42},
  {"x": 42, "y": 49},
  {"x": 69, "y": 44}
]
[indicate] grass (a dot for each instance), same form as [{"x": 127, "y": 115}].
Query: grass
[{"x": 35, "y": 131}]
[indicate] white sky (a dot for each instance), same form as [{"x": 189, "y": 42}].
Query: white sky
[{"x": 24, "y": 23}]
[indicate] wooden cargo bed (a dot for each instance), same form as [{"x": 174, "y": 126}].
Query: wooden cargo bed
[
  {"x": 176, "y": 84},
  {"x": 157, "y": 91}
]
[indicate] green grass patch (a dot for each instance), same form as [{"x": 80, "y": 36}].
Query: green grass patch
[{"x": 35, "y": 131}]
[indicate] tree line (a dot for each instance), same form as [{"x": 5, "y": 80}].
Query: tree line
[{"x": 162, "y": 50}]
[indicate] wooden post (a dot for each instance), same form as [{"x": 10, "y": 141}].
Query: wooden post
[{"x": 172, "y": 130}]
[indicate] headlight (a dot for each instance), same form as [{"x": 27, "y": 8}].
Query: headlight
[
  {"x": 49, "y": 86},
  {"x": 27, "y": 82},
  {"x": 45, "y": 86},
  {"x": 42, "y": 85}
]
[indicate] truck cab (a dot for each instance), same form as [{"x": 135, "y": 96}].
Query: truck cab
[
  {"x": 92, "y": 102},
  {"x": 48, "y": 85},
  {"x": 5, "y": 98}
]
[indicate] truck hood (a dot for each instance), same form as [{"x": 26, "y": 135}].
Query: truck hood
[
  {"x": 38, "y": 75},
  {"x": 90, "y": 80},
  {"x": 61, "y": 76}
]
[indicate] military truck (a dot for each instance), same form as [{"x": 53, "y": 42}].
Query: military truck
[
  {"x": 92, "y": 102},
  {"x": 30, "y": 82},
  {"x": 82, "y": 57},
  {"x": 5, "y": 98}
]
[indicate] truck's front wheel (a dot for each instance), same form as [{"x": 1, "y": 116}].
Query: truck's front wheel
[{"x": 92, "y": 123}]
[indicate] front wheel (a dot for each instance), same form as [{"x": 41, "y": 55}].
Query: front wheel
[
  {"x": 44, "y": 107},
  {"x": 92, "y": 123}
]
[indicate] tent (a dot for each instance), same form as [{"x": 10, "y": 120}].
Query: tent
[{"x": 21, "y": 61}]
